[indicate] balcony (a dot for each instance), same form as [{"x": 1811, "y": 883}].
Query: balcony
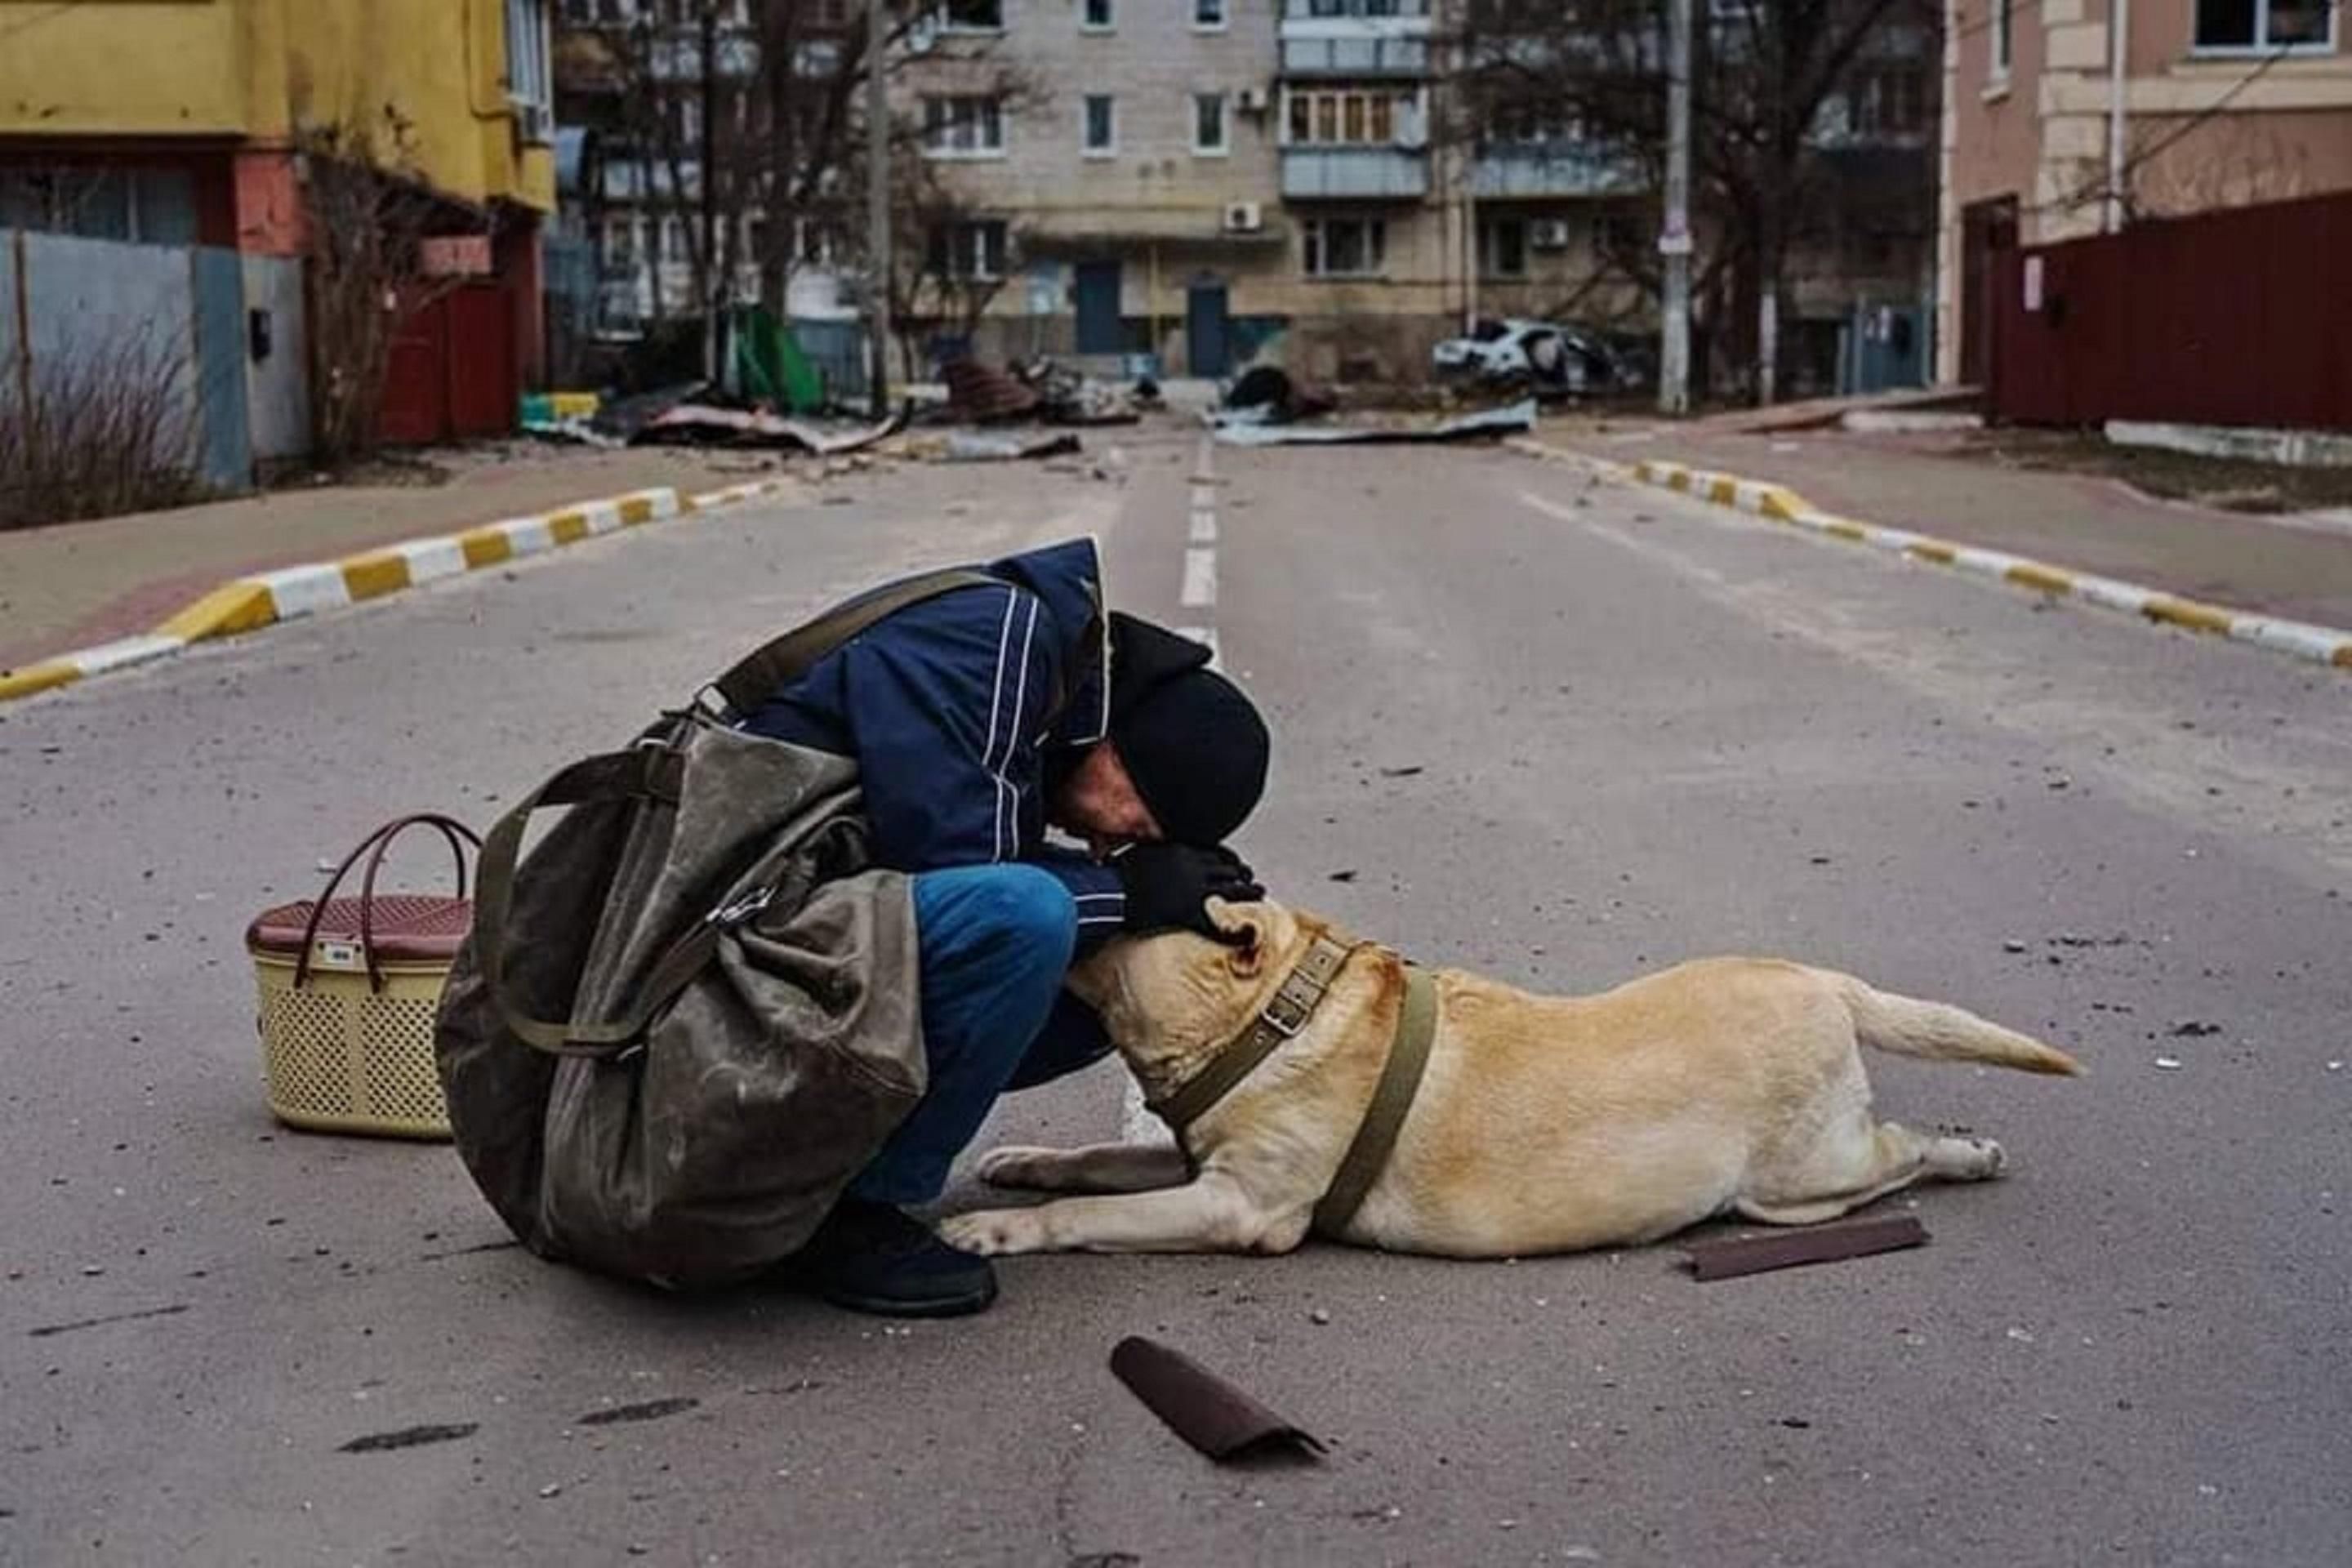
[
  {"x": 1534, "y": 170},
  {"x": 1354, "y": 173},
  {"x": 1389, "y": 40},
  {"x": 1360, "y": 56}
]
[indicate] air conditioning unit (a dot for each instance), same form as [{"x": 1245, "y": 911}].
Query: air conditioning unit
[
  {"x": 1243, "y": 218},
  {"x": 1252, "y": 100},
  {"x": 1549, "y": 234},
  {"x": 534, "y": 124}
]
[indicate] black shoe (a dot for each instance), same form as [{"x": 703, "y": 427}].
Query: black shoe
[{"x": 871, "y": 1257}]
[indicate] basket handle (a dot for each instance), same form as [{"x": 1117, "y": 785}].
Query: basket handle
[{"x": 379, "y": 842}]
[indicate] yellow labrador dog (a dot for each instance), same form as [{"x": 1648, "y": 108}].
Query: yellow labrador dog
[{"x": 1541, "y": 1124}]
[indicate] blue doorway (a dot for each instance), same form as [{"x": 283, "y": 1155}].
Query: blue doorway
[
  {"x": 1207, "y": 343},
  {"x": 1098, "y": 328}
]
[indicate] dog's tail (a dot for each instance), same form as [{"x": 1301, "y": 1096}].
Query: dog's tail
[{"x": 1939, "y": 1032}]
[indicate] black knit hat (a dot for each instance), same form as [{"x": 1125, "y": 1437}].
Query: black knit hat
[{"x": 1195, "y": 747}]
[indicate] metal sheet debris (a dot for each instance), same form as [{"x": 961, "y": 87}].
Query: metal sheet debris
[
  {"x": 703, "y": 425},
  {"x": 1739, "y": 1255},
  {"x": 1517, "y": 419},
  {"x": 1200, "y": 1407}
]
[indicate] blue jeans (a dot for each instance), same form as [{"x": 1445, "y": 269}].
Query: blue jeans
[{"x": 995, "y": 942}]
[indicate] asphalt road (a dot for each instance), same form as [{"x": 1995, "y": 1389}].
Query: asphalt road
[{"x": 1561, "y": 733}]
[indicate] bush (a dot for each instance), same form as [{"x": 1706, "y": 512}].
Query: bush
[{"x": 107, "y": 430}]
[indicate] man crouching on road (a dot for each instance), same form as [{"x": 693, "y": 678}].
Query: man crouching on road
[{"x": 977, "y": 719}]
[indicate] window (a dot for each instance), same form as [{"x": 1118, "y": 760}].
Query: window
[
  {"x": 1347, "y": 118},
  {"x": 1532, "y": 125},
  {"x": 1344, "y": 246},
  {"x": 1368, "y": 8},
  {"x": 1095, "y": 17},
  {"x": 2001, "y": 39},
  {"x": 967, "y": 252},
  {"x": 1209, "y": 15},
  {"x": 2226, "y": 26},
  {"x": 147, "y": 207},
  {"x": 621, "y": 244},
  {"x": 1209, "y": 123},
  {"x": 528, "y": 77},
  {"x": 1503, "y": 248},
  {"x": 1101, "y": 125},
  {"x": 963, "y": 127},
  {"x": 971, "y": 15},
  {"x": 1890, "y": 102}
]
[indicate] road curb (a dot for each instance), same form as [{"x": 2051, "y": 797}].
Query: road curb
[
  {"x": 264, "y": 598},
  {"x": 2300, "y": 639}
]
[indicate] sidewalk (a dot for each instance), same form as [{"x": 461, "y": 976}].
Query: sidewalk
[
  {"x": 78, "y": 585},
  {"x": 2089, "y": 523}
]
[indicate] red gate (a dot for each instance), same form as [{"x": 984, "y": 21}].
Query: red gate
[
  {"x": 451, "y": 375},
  {"x": 2242, "y": 316}
]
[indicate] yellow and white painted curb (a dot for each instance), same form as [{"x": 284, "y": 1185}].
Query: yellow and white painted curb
[
  {"x": 2320, "y": 645},
  {"x": 290, "y": 593}
]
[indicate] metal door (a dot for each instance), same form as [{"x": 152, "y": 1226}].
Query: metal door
[
  {"x": 1206, "y": 349},
  {"x": 1098, "y": 328}
]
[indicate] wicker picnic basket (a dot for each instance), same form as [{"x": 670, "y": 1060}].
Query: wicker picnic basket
[{"x": 349, "y": 991}]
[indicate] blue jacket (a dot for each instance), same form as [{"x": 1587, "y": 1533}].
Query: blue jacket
[{"x": 949, "y": 707}]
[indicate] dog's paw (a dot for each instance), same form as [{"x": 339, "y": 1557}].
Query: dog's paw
[
  {"x": 993, "y": 1233},
  {"x": 1015, "y": 1165}
]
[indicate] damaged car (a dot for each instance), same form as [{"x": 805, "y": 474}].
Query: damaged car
[{"x": 1550, "y": 359}]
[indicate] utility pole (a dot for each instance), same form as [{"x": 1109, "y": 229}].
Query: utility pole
[
  {"x": 877, "y": 207},
  {"x": 708, "y": 175},
  {"x": 2118, "y": 80},
  {"x": 1673, "y": 235}
]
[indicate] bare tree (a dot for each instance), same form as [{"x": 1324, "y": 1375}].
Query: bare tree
[
  {"x": 106, "y": 427},
  {"x": 365, "y": 218},
  {"x": 1764, "y": 73}
]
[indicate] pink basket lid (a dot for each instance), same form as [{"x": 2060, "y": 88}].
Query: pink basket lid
[{"x": 409, "y": 927}]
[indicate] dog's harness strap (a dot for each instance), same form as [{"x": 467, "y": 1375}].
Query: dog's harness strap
[
  {"x": 1399, "y": 1080},
  {"x": 1293, "y": 1004}
]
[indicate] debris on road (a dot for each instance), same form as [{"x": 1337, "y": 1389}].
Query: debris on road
[
  {"x": 983, "y": 393},
  {"x": 1200, "y": 1407},
  {"x": 2169, "y": 1064},
  {"x": 410, "y": 1438},
  {"x": 707, "y": 424},
  {"x": 2194, "y": 1028},
  {"x": 975, "y": 446},
  {"x": 1492, "y": 424},
  {"x": 1266, "y": 394},
  {"x": 1734, "y": 1256}
]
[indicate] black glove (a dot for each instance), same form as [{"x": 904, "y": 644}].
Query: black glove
[{"x": 1169, "y": 886}]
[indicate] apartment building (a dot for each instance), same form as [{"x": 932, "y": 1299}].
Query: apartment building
[
  {"x": 2051, "y": 132},
  {"x": 1157, "y": 185}
]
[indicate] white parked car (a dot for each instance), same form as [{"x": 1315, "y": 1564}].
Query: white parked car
[{"x": 1550, "y": 357}]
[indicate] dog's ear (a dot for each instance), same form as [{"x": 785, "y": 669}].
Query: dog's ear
[{"x": 1244, "y": 934}]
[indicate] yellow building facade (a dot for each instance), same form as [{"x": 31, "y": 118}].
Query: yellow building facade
[
  {"x": 184, "y": 121},
  {"x": 248, "y": 75}
]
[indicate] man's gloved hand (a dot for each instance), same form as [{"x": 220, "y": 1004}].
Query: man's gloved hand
[{"x": 1169, "y": 886}]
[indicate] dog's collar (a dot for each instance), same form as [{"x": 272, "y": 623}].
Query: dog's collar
[{"x": 1293, "y": 1004}]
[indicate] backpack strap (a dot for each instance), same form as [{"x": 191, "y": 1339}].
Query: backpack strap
[{"x": 774, "y": 665}]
